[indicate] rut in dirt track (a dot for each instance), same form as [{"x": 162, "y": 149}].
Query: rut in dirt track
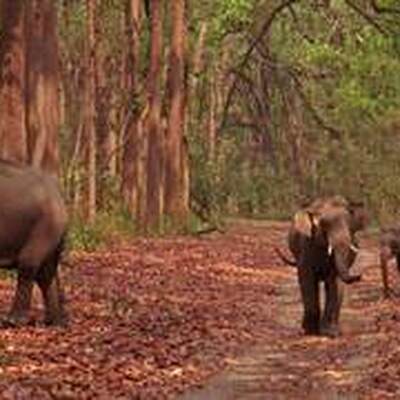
[{"x": 290, "y": 365}]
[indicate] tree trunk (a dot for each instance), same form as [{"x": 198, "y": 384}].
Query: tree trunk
[
  {"x": 155, "y": 161},
  {"x": 105, "y": 139},
  {"x": 196, "y": 70},
  {"x": 133, "y": 135},
  {"x": 212, "y": 123},
  {"x": 90, "y": 112},
  {"x": 175, "y": 199},
  {"x": 42, "y": 100},
  {"x": 12, "y": 81},
  {"x": 105, "y": 95}
]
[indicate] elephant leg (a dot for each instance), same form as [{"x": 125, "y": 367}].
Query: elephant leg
[
  {"x": 309, "y": 288},
  {"x": 334, "y": 289},
  {"x": 53, "y": 298},
  {"x": 53, "y": 308},
  {"x": 18, "y": 315}
]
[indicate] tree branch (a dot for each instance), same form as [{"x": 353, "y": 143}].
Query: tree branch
[
  {"x": 367, "y": 17},
  {"x": 382, "y": 9},
  {"x": 264, "y": 30},
  {"x": 335, "y": 133},
  {"x": 300, "y": 29}
]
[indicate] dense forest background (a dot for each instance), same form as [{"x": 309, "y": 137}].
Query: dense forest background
[{"x": 168, "y": 115}]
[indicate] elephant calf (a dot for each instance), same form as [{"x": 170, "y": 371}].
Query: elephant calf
[
  {"x": 33, "y": 222},
  {"x": 389, "y": 249},
  {"x": 322, "y": 241}
]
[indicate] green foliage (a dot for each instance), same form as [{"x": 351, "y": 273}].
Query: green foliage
[
  {"x": 343, "y": 109},
  {"x": 232, "y": 15},
  {"x": 229, "y": 185},
  {"x": 106, "y": 228},
  {"x": 113, "y": 221},
  {"x": 224, "y": 17},
  {"x": 72, "y": 29},
  {"x": 81, "y": 236},
  {"x": 349, "y": 73}
]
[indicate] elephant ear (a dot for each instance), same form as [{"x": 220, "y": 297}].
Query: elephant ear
[{"x": 305, "y": 223}]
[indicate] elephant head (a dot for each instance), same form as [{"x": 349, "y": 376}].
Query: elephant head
[{"x": 331, "y": 224}]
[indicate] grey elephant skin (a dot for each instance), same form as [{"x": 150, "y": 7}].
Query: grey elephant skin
[
  {"x": 322, "y": 241},
  {"x": 33, "y": 223},
  {"x": 389, "y": 248}
]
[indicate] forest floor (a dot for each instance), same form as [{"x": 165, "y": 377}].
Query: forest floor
[{"x": 216, "y": 317}]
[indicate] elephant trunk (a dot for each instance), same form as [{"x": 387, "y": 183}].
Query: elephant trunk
[{"x": 344, "y": 258}]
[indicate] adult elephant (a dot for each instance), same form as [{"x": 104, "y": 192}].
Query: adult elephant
[
  {"x": 322, "y": 241},
  {"x": 389, "y": 248},
  {"x": 33, "y": 221}
]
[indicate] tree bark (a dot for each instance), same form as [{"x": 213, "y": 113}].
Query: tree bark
[
  {"x": 176, "y": 206},
  {"x": 42, "y": 98},
  {"x": 197, "y": 66},
  {"x": 90, "y": 112},
  {"x": 132, "y": 169},
  {"x": 212, "y": 123},
  {"x": 105, "y": 95},
  {"x": 155, "y": 160},
  {"x": 12, "y": 81}
]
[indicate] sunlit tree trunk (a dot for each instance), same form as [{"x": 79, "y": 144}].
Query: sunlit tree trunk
[
  {"x": 212, "y": 123},
  {"x": 71, "y": 111},
  {"x": 132, "y": 169},
  {"x": 198, "y": 57},
  {"x": 29, "y": 91},
  {"x": 102, "y": 117},
  {"x": 106, "y": 94},
  {"x": 12, "y": 81},
  {"x": 176, "y": 206},
  {"x": 185, "y": 174},
  {"x": 155, "y": 161},
  {"x": 42, "y": 98},
  {"x": 90, "y": 112},
  {"x": 106, "y": 140}
]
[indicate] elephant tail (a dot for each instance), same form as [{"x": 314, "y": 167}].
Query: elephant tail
[{"x": 285, "y": 259}]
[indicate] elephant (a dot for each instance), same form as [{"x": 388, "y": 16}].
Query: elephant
[
  {"x": 322, "y": 240},
  {"x": 33, "y": 226},
  {"x": 389, "y": 247}
]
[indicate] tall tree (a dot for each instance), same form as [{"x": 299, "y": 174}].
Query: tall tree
[
  {"x": 155, "y": 161},
  {"x": 132, "y": 168},
  {"x": 42, "y": 99},
  {"x": 12, "y": 80},
  {"x": 175, "y": 200},
  {"x": 29, "y": 102},
  {"x": 90, "y": 111}
]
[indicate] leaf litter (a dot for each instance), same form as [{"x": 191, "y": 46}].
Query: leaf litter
[{"x": 156, "y": 317}]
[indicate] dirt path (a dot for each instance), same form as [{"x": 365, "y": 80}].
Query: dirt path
[
  {"x": 291, "y": 366},
  {"x": 153, "y": 319}
]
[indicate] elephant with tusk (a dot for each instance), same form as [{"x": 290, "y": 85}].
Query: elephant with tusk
[
  {"x": 322, "y": 241},
  {"x": 33, "y": 224}
]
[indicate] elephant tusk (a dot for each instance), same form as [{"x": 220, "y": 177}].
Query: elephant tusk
[
  {"x": 330, "y": 250},
  {"x": 354, "y": 248}
]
